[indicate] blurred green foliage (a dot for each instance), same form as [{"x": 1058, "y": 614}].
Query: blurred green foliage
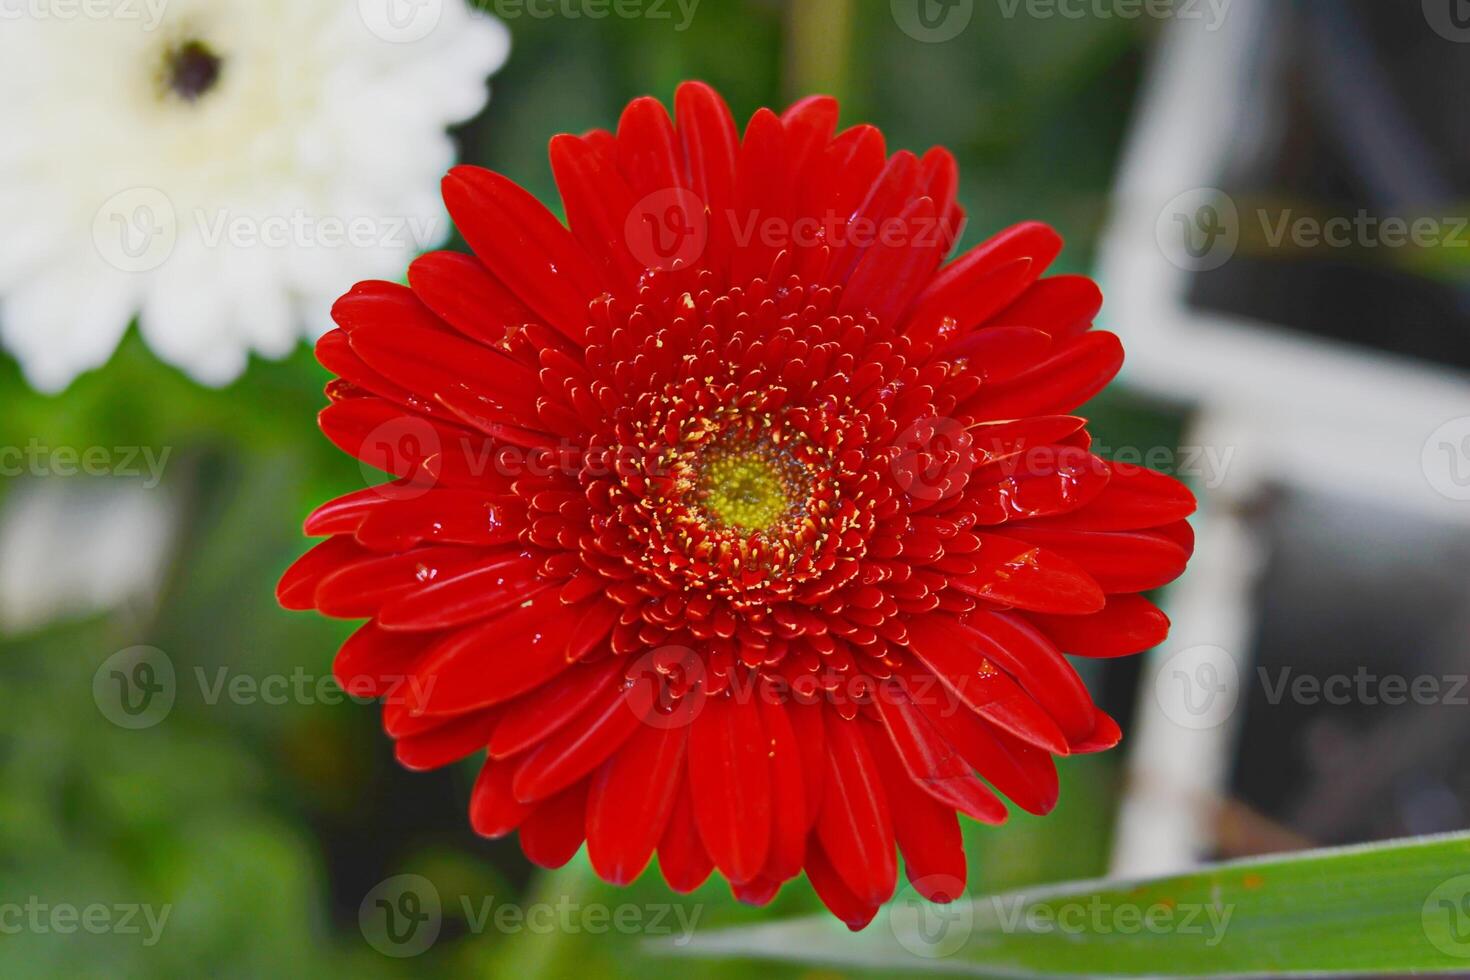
[{"x": 263, "y": 826}]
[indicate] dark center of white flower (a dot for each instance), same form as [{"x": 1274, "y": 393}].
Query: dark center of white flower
[{"x": 191, "y": 69}]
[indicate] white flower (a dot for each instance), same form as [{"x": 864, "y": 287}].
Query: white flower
[{"x": 221, "y": 169}]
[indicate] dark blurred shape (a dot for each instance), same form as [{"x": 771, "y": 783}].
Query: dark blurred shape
[
  {"x": 1356, "y": 721},
  {"x": 1365, "y": 125}
]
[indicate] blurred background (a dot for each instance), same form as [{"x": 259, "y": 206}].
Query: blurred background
[{"x": 1274, "y": 198}]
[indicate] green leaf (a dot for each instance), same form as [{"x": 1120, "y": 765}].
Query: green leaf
[{"x": 1394, "y": 907}]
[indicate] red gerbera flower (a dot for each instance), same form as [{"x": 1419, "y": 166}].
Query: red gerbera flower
[{"x": 730, "y": 524}]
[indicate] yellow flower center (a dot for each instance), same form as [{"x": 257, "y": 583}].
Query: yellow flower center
[{"x": 744, "y": 489}]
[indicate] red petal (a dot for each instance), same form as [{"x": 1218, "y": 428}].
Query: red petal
[
  {"x": 363, "y": 587},
  {"x": 465, "y": 598},
  {"x": 762, "y": 195},
  {"x": 465, "y": 296},
  {"x": 757, "y": 892},
  {"x": 807, "y": 722},
  {"x": 343, "y": 514},
  {"x": 1104, "y": 735},
  {"x": 809, "y": 125},
  {"x": 957, "y": 656},
  {"x": 447, "y": 743},
  {"x": 334, "y": 352},
  {"x": 1025, "y": 774},
  {"x": 553, "y": 833},
  {"x": 984, "y": 280},
  {"x": 435, "y": 363},
  {"x": 940, "y": 177},
  {"x": 441, "y": 516},
  {"x": 630, "y": 801},
  {"x": 1059, "y": 384},
  {"x": 1118, "y": 561},
  {"x": 1043, "y": 481},
  {"x": 377, "y": 303},
  {"x": 1134, "y": 498},
  {"x": 788, "y": 798},
  {"x": 953, "y": 314},
  {"x": 1178, "y": 532},
  {"x": 892, "y": 191},
  {"x": 835, "y": 185},
  {"x": 707, "y": 132},
  {"x": 926, "y": 830},
  {"x": 682, "y": 858},
  {"x": 426, "y": 453},
  {"x": 994, "y": 442},
  {"x": 840, "y": 900},
  {"x": 730, "y": 784},
  {"x": 498, "y": 659},
  {"x": 494, "y": 809},
  {"x": 854, "y": 823},
  {"x": 374, "y": 662},
  {"x": 1028, "y": 240},
  {"x": 1018, "y": 573},
  {"x": 575, "y": 750},
  {"x": 598, "y": 202},
  {"x": 297, "y": 588},
  {"x": 887, "y": 276},
  {"x": 1024, "y": 651},
  {"x": 524, "y": 247},
  {"x": 1063, "y": 306},
  {"x": 999, "y": 353},
  {"x": 532, "y": 718},
  {"x": 648, "y": 151},
  {"x": 1128, "y": 624},
  {"x": 931, "y": 763}
]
